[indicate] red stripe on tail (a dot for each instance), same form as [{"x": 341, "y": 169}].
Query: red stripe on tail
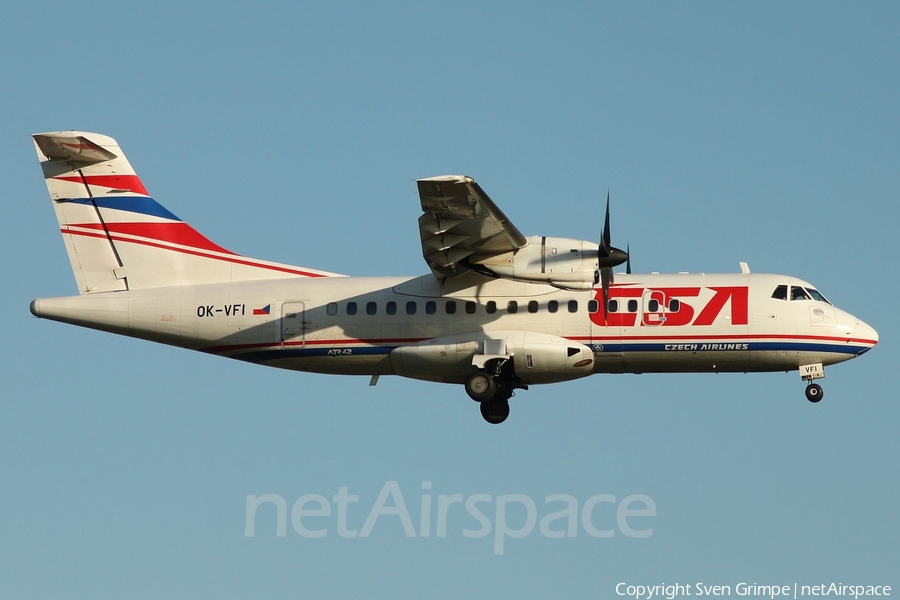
[
  {"x": 130, "y": 183},
  {"x": 173, "y": 233}
]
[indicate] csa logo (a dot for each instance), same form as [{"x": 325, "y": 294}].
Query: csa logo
[{"x": 675, "y": 306}]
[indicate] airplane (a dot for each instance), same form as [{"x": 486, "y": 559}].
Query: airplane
[{"x": 498, "y": 312}]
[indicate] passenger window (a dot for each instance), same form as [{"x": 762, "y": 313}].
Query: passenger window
[
  {"x": 391, "y": 308},
  {"x": 512, "y": 307},
  {"x": 674, "y": 305},
  {"x": 798, "y": 293},
  {"x": 612, "y": 305},
  {"x": 780, "y": 293},
  {"x": 470, "y": 308},
  {"x": 450, "y": 307},
  {"x": 431, "y": 307},
  {"x": 371, "y": 308},
  {"x": 532, "y": 306},
  {"x": 331, "y": 309},
  {"x": 593, "y": 306},
  {"x": 410, "y": 308},
  {"x": 491, "y": 307},
  {"x": 632, "y": 306},
  {"x": 553, "y": 306},
  {"x": 573, "y": 306},
  {"x": 351, "y": 308}
]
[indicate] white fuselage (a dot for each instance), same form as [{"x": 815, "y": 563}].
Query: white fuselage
[{"x": 355, "y": 325}]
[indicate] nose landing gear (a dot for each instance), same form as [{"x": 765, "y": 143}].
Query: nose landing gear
[{"x": 814, "y": 392}]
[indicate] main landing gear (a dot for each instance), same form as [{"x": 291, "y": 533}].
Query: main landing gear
[
  {"x": 493, "y": 395},
  {"x": 495, "y": 411},
  {"x": 480, "y": 386}
]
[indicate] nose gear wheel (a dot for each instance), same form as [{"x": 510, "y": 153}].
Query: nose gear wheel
[{"x": 814, "y": 392}]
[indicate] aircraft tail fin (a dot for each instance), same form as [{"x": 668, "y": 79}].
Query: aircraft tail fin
[{"x": 118, "y": 237}]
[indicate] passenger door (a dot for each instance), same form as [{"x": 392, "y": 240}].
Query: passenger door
[{"x": 293, "y": 324}]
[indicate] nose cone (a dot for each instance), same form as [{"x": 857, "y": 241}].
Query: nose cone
[
  {"x": 860, "y": 332},
  {"x": 867, "y": 332}
]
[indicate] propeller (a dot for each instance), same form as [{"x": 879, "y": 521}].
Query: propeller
[{"x": 607, "y": 258}]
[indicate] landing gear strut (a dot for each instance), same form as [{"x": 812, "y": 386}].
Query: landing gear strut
[
  {"x": 808, "y": 373},
  {"x": 814, "y": 392}
]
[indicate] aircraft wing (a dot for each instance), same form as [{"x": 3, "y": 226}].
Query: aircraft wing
[{"x": 461, "y": 226}]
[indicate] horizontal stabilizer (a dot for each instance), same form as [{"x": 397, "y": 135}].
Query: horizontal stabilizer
[{"x": 71, "y": 146}]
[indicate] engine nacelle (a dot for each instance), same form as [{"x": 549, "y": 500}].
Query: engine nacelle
[
  {"x": 561, "y": 262},
  {"x": 536, "y": 357}
]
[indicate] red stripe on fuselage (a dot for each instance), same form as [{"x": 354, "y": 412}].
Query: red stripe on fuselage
[
  {"x": 402, "y": 341},
  {"x": 735, "y": 337}
]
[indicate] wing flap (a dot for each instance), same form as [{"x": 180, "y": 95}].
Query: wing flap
[
  {"x": 436, "y": 226},
  {"x": 445, "y": 241},
  {"x": 445, "y": 260}
]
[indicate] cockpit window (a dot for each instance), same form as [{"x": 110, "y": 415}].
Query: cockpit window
[
  {"x": 798, "y": 293},
  {"x": 817, "y": 296}
]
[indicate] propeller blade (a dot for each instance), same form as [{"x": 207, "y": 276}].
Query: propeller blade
[
  {"x": 606, "y": 254},
  {"x": 605, "y": 239},
  {"x": 607, "y": 277},
  {"x": 628, "y": 260},
  {"x": 607, "y": 258}
]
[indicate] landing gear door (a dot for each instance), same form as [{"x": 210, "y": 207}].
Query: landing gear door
[{"x": 293, "y": 324}]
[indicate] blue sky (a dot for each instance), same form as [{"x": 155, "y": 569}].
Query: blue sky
[{"x": 294, "y": 132}]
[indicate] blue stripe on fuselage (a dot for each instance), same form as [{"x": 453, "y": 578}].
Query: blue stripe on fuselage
[
  {"x": 726, "y": 347},
  {"x": 335, "y": 352},
  {"x": 259, "y": 356}
]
